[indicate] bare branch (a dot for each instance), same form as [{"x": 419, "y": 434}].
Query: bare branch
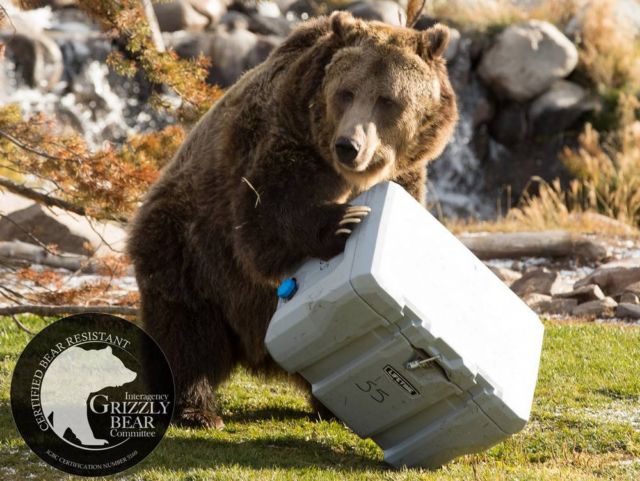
[
  {"x": 25, "y": 147},
  {"x": 414, "y": 10},
  {"x": 21, "y": 326},
  {"x": 152, "y": 20},
  {"x": 52, "y": 201},
  {"x": 28, "y": 234},
  {"x": 37, "y": 255},
  {"x": 42, "y": 310}
]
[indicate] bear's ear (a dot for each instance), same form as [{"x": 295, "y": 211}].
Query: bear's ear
[
  {"x": 343, "y": 24},
  {"x": 433, "y": 42}
]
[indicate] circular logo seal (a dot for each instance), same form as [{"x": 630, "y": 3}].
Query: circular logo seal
[{"x": 92, "y": 394}]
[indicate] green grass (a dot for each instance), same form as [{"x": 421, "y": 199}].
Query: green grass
[{"x": 585, "y": 425}]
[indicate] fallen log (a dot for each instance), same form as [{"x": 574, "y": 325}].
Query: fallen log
[
  {"x": 43, "y": 310},
  {"x": 23, "y": 251},
  {"x": 534, "y": 244}
]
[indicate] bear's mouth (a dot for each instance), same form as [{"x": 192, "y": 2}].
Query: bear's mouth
[{"x": 366, "y": 175}]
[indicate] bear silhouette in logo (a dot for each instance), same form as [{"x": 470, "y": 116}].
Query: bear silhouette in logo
[{"x": 67, "y": 384}]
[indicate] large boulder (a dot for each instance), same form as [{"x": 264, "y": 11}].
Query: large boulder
[
  {"x": 232, "y": 47},
  {"x": 509, "y": 126},
  {"x": 539, "y": 281},
  {"x": 381, "y": 10},
  {"x": 212, "y": 9},
  {"x": 37, "y": 58},
  {"x": 26, "y": 221},
  {"x": 559, "y": 108},
  {"x": 526, "y": 59},
  {"x": 191, "y": 15},
  {"x": 614, "y": 277},
  {"x": 598, "y": 308},
  {"x": 33, "y": 223}
]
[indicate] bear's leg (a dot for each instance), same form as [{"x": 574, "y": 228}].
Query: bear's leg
[
  {"x": 199, "y": 347},
  {"x": 320, "y": 411}
]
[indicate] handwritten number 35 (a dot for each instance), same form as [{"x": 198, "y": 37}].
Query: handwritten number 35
[{"x": 378, "y": 395}]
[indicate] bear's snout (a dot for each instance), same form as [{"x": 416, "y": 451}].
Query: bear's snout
[{"x": 347, "y": 151}]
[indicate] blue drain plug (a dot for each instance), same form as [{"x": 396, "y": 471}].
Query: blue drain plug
[{"x": 287, "y": 288}]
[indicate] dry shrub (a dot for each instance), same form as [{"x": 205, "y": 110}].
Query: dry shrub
[
  {"x": 469, "y": 14},
  {"x": 608, "y": 169},
  {"x": 605, "y": 193},
  {"x": 609, "y": 51}
]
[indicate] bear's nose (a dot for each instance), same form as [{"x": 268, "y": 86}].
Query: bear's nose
[{"x": 347, "y": 150}]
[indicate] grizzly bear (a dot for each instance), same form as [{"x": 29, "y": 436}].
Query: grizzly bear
[{"x": 264, "y": 181}]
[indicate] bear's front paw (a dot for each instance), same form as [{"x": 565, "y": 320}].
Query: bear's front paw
[{"x": 353, "y": 215}]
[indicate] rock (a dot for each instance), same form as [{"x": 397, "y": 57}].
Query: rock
[
  {"x": 526, "y": 59},
  {"x": 625, "y": 310},
  {"x": 559, "y": 108},
  {"x": 482, "y": 108},
  {"x": 70, "y": 232},
  {"x": 264, "y": 25},
  {"x": 212, "y": 9},
  {"x": 508, "y": 276},
  {"x": 629, "y": 298},
  {"x": 381, "y": 10},
  {"x": 454, "y": 42},
  {"x": 590, "y": 292},
  {"x": 233, "y": 48},
  {"x": 509, "y": 126},
  {"x": 54, "y": 4},
  {"x": 23, "y": 225},
  {"x": 180, "y": 15},
  {"x": 302, "y": 9},
  {"x": 425, "y": 22},
  {"x": 626, "y": 16},
  {"x": 261, "y": 51},
  {"x": 538, "y": 302},
  {"x": 544, "y": 304},
  {"x": 597, "y": 308},
  {"x": 37, "y": 58},
  {"x": 561, "y": 306},
  {"x": 615, "y": 276},
  {"x": 268, "y": 9},
  {"x": 633, "y": 288},
  {"x": 539, "y": 281},
  {"x": 234, "y": 20},
  {"x": 189, "y": 44},
  {"x": 628, "y": 11},
  {"x": 234, "y": 52}
]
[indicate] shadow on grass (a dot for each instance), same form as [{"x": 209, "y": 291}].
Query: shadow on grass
[
  {"x": 265, "y": 414},
  {"x": 285, "y": 452},
  {"x": 618, "y": 394},
  {"x": 182, "y": 452}
]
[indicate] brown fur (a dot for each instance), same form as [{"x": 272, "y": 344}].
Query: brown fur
[{"x": 256, "y": 188}]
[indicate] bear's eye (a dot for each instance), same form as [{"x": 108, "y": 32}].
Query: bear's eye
[
  {"x": 386, "y": 102},
  {"x": 345, "y": 96}
]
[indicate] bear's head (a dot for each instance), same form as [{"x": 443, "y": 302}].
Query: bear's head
[
  {"x": 388, "y": 104},
  {"x": 109, "y": 370}
]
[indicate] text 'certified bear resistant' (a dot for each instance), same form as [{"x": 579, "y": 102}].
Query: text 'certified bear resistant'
[{"x": 92, "y": 394}]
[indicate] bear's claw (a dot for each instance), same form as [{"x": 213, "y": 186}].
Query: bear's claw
[{"x": 353, "y": 215}]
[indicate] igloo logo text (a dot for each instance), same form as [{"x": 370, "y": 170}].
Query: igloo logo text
[{"x": 85, "y": 398}]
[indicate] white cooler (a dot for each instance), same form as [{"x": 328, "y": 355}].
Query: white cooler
[{"x": 410, "y": 339}]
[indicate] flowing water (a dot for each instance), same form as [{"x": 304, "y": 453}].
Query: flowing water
[{"x": 104, "y": 106}]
